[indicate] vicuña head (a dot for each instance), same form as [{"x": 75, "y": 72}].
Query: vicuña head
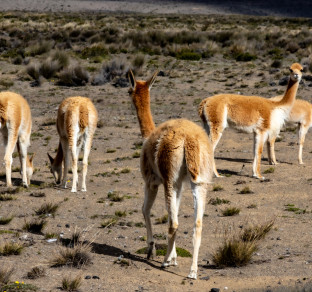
[
  {"x": 252, "y": 114},
  {"x": 56, "y": 168},
  {"x": 175, "y": 150}
]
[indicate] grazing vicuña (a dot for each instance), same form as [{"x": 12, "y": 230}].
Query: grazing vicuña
[
  {"x": 76, "y": 124},
  {"x": 15, "y": 126}
]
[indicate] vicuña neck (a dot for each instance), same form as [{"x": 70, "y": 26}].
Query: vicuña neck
[
  {"x": 146, "y": 122},
  {"x": 290, "y": 94},
  {"x": 59, "y": 155}
]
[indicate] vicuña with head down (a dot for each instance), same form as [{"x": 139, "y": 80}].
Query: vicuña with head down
[
  {"x": 76, "y": 123},
  {"x": 173, "y": 151},
  {"x": 15, "y": 126},
  {"x": 252, "y": 114}
]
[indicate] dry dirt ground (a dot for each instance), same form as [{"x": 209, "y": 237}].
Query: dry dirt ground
[{"x": 284, "y": 259}]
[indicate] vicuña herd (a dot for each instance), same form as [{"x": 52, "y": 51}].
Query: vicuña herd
[{"x": 172, "y": 152}]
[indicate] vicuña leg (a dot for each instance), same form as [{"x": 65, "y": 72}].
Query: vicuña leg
[
  {"x": 215, "y": 136},
  {"x": 303, "y": 129},
  {"x": 259, "y": 139},
  {"x": 22, "y": 151},
  {"x": 10, "y": 144},
  {"x": 199, "y": 194},
  {"x": 149, "y": 199},
  {"x": 65, "y": 149},
  {"x": 173, "y": 198},
  {"x": 86, "y": 152},
  {"x": 271, "y": 151},
  {"x": 74, "y": 158}
]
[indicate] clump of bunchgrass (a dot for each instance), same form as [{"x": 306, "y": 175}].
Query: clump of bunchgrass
[
  {"x": 6, "y": 197},
  {"x": 257, "y": 232},
  {"x": 47, "y": 208},
  {"x": 161, "y": 250},
  {"x": 77, "y": 256},
  {"x": 71, "y": 284},
  {"x": 162, "y": 220},
  {"x": 73, "y": 76},
  {"x": 269, "y": 170},
  {"x": 36, "y": 272},
  {"x": 119, "y": 213},
  {"x": 35, "y": 226},
  {"x": 246, "y": 190},
  {"x": 234, "y": 253},
  {"x": 114, "y": 196},
  {"x": 112, "y": 71},
  {"x": 11, "y": 248},
  {"x": 5, "y": 275},
  {"x": 231, "y": 211},
  {"x": 218, "y": 201},
  {"x": 6, "y": 220},
  {"x": 39, "y": 48},
  {"x": 217, "y": 188},
  {"x": 109, "y": 222}
]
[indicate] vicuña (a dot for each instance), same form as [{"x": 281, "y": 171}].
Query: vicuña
[
  {"x": 301, "y": 113},
  {"x": 251, "y": 114},
  {"x": 15, "y": 126},
  {"x": 76, "y": 123},
  {"x": 175, "y": 150}
]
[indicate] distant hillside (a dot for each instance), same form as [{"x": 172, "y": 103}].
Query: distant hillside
[{"x": 299, "y": 8}]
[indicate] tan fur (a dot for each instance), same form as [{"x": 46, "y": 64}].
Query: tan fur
[
  {"x": 76, "y": 124},
  {"x": 173, "y": 151},
  {"x": 253, "y": 114},
  {"x": 301, "y": 113},
  {"x": 15, "y": 126}
]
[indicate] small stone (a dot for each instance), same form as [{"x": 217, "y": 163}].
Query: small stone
[
  {"x": 87, "y": 277},
  {"x": 96, "y": 277},
  {"x": 215, "y": 290},
  {"x": 206, "y": 278},
  {"x": 67, "y": 225}
]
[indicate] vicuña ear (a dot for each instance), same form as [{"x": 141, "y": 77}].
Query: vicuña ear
[
  {"x": 152, "y": 79},
  {"x": 50, "y": 158},
  {"x": 131, "y": 78}
]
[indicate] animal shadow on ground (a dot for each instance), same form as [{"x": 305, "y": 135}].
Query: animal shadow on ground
[{"x": 116, "y": 252}]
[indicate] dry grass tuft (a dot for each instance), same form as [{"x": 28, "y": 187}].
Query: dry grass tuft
[
  {"x": 35, "y": 226},
  {"x": 234, "y": 253},
  {"x": 6, "y": 220},
  {"x": 69, "y": 284},
  {"x": 47, "y": 208},
  {"x": 11, "y": 248},
  {"x": 5, "y": 275},
  {"x": 257, "y": 232},
  {"x": 36, "y": 272},
  {"x": 77, "y": 257}
]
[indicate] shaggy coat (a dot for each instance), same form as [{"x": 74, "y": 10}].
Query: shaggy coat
[
  {"x": 76, "y": 124},
  {"x": 301, "y": 113},
  {"x": 15, "y": 126},
  {"x": 172, "y": 152},
  {"x": 251, "y": 114}
]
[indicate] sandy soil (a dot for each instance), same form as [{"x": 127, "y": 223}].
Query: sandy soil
[{"x": 284, "y": 258}]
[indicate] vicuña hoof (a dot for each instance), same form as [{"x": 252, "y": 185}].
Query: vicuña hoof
[
  {"x": 192, "y": 275},
  {"x": 172, "y": 262}
]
